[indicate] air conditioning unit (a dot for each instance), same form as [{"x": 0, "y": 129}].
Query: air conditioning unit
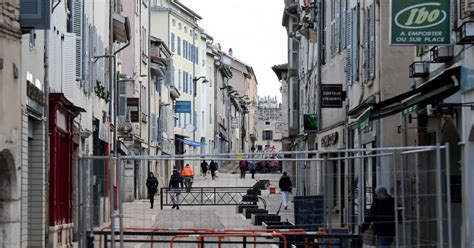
[
  {"x": 124, "y": 126},
  {"x": 419, "y": 69},
  {"x": 465, "y": 33},
  {"x": 441, "y": 54}
]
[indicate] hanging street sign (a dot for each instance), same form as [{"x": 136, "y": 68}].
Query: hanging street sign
[
  {"x": 420, "y": 22},
  {"x": 183, "y": 107},
  {"x": 332, "y": 96},
  {"x": 310, "y": 123}
]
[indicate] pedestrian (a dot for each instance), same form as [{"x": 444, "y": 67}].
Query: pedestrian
[
  {"x": 204, "y": 168},
  {"x": 285, "y": 188},
  {"x": 188, "y": 175},
  {"x": 253, "y": 168},
  {"x": 382, "y": 217},
  {"x": 213, "y": 168},
  {"x": 152, "y": 186},
  {"x": 174, "y": 188},
  {"x": 243, "y": 167}
]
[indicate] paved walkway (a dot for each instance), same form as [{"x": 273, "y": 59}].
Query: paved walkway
[{"x": 139, "y": 214}]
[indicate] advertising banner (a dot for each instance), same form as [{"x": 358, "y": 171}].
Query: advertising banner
[{"x": 420, "y": 22}]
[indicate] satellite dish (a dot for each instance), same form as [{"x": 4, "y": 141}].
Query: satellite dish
[{"x": 189, "y": 128}]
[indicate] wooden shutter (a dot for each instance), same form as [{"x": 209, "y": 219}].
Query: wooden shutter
[
  {"x": 372, "y": 42},
  {"x": 69, "y": 65},
  {"x": 349, "y": 46},
  {"x": 35, "y": 14},
  {"x": 77, "y": 29},
  {"x": 366, "y": 45},
  {"x": 355, "y": 43}
]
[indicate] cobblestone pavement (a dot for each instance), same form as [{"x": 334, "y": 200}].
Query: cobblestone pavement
[{"x": 138, "y": 213}]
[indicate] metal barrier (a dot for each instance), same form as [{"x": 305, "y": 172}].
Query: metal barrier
[
  {"x": 203, "y": 236},
  {"x": 204, "y": 196}
]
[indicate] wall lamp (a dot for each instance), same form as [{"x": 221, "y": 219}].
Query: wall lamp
[{"x": 195, "y": 79}]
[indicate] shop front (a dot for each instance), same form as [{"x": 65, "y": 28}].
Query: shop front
[{"x": 61, "y": 115}]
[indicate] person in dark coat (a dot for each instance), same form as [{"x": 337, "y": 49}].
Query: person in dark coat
[
  {"x": 213, "y": 168},
  {"x": 204, "y": 168},
  {"x": 253, "y": 168},
  {"x": 242, "y": 167},
  {"x": 382, "y": 217},
  {"x": 285, "y": 188},
  {"x": 152, "y": 186},
  {"x": 176, "y": 181}
]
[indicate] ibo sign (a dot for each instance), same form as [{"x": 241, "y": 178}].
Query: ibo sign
[{"x": 420, "y": 22}]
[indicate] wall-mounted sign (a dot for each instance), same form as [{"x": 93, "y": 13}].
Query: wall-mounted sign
[
  {"x": 420, "y": 22},
  {"x": 183, "y": 107},
  {"x": 332, "y": 96},
  {"x": 364, "y": 121},
  {"x": 133, "y": 106},
  {"x": 310, "y": 123},
  {"x": 279, "y": 127},
  {"x": 330, "y": 139}
]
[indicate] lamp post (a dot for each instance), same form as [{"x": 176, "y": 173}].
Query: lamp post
[{"x": 195, "y": 80}]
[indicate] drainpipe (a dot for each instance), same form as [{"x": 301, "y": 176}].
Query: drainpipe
[
  {"x": 149, "y": 86},
  {"x": 46, "y": 130}
]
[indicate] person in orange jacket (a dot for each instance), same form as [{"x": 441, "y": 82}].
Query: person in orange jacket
[{"x": 188, "y": 174}]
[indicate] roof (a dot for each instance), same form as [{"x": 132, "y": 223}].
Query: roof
[
  {"x": 186, "y": 9},
  {"x": 279, "y": 69}
]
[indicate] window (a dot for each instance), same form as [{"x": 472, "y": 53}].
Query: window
[
  {"x": 185, "y": 29},
  {"x": 192, "y": 85},
  {"x": 185, "y": 82},
  {"x": 203, "y": 120},
  {"x": 179, "y": 79},
  {"x": 172, "y": 43},
  {"x": 144, "y": 45},
  {"x": 267, "y": 135},
  {"x": 179, "y": 26},
  {"x": 185, "y": 49},
  {"x": 210, "y": 113},
  {"x": 32, "y": 38},
  {"x": 185, "y": 120},
  {"x": 191, "y": 32},
  {"x": 173, "y": 22},
  {"x": 179, "y": 46},
  {"x": 267, "y": 123}
]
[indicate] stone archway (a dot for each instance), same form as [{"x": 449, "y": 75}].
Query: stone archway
[{"x": 9, "y": 213}]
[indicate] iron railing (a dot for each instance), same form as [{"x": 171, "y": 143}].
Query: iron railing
[{"x": 205, "y": 196}]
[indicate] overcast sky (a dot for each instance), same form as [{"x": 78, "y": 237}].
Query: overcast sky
[{"x": 252, "y": 28}]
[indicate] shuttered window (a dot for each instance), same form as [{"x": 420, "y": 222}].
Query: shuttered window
[
  {"x": 179, "y": 79},
  {"x": 172, "y": 43},
  {"x": 366, "y": 45},
  {"x": 179, "y": 46},
  {"x": 122, "y": 104},
  {"x": 349, "y": 47},
  {"x": 77, "y": 29},
  {"x": 372, "y": 44},
  {"x": 355, "y": 44},
  {"x": 69, "y": 66}
]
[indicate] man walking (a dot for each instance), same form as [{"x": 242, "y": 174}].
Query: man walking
[
  {"x": 152, "y": 186},
  {"x": 213, "y": 168},
  {"x": 188, "y": 175},
  {"x": 174, "y": 188},
  {"x": 253, "y": 168},
  {"x": 382, "y": 217},
  {"x": 204, "y": 168},
  {"x": 285, "y": 188}
]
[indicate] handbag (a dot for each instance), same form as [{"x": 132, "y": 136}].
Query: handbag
[{"x": 368, "y": 237}]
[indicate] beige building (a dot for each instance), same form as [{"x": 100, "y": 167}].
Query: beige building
[
  {"x": 269, "y": 125},
  {"x": 11, "y": 170}
]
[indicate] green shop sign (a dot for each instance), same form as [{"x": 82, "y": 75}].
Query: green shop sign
[{"x": 420, "y": 22}]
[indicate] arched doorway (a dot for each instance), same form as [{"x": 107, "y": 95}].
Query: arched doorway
[{"x": 9, "y": 215}]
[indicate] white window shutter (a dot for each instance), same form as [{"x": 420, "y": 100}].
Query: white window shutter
[
  {"x": 53, "y": 63},
  {"x": 77, "y": 21},
  {"x": 69, "y": 65},
  {"x": 372, "y": 42},
  {"x": 366, "y": 45},
  {"x": 349, "y": 46}
]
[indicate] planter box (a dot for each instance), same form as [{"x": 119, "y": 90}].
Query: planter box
[
  {"x": 248, "y": 211},
  {"x": 240, "y": 208},
  {"x": 278, "y": 225},
  {"x": 254, "y": 191},
  {"x": 258, "y": 218},
  {"x": 262, "y": 184}
]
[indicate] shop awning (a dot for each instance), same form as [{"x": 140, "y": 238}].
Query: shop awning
[
  {"x": 191, "y": 143},
  {"x": 431, "y": 92}
]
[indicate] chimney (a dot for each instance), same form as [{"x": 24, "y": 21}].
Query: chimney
[{"x": 230, "y": 51}]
